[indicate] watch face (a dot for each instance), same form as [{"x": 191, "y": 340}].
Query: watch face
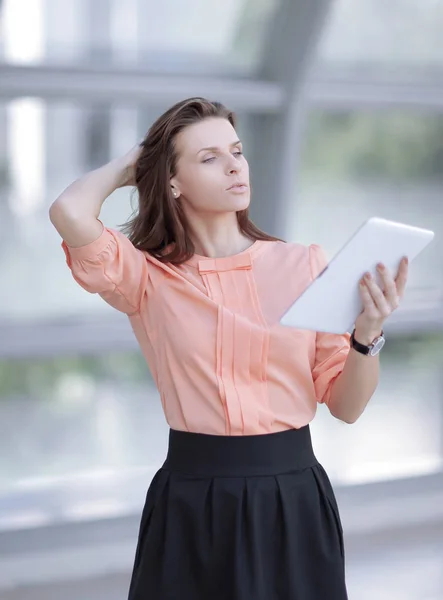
[{"x": 377, "y": 346}]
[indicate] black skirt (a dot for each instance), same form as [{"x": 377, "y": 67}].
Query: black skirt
[{"x": 240, "y": 518}]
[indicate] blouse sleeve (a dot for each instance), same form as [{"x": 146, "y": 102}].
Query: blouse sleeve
[
  {"x": 331, "y": 350},
  {"x": 111, "y": 267}
]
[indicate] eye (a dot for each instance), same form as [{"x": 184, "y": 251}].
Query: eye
[
  {"x": 238, "y": 153},
  {"x": 209, "y": 160}
]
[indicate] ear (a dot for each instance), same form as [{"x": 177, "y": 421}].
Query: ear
[{"x": 174, "y": 188}]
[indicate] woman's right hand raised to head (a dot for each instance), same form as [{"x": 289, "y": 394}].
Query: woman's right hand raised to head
[
  {"x": 128, "y": 163},
  {"x": 76, "y": 211}
]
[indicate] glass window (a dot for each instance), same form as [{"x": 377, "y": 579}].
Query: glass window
[
  {"x": 373, "y": 33},
  {"x": 171, "y": 36},
  {"x": 65, "y": 414},
  {"x": 400, "y": 433},
  {"x": 47, "y": 146},
  {"x": 74, "y": 421},
  {"x": 396, "y": 146}
]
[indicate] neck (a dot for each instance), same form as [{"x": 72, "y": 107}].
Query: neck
[{"x": 218, "y": 236}]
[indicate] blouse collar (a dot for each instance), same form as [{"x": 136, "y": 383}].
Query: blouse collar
[{"x": 242, "y": 260}]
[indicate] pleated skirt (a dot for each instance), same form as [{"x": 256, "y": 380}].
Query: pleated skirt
[{"x": 240, "y": 518}]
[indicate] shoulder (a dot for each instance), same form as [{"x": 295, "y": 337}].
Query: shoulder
[
  {"x": 286, "y": 251},
  {"x": 283, "y": 249},
  {"x": 310, "y": 258}
]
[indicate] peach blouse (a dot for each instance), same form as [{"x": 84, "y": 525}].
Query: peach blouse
[{"x": 209, "y": 331}]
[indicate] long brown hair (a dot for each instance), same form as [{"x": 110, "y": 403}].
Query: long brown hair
[{"x": 160, "y": 226}]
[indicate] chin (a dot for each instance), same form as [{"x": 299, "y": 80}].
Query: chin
[
  {"x": 233, "y": 204},
  {"x": 241, "y": 203}
]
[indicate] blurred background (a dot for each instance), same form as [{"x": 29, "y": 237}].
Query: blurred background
[{"x": 341, "y": 113}]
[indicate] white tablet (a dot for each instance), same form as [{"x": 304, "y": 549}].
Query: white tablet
[{"x": 332, "y": 303}]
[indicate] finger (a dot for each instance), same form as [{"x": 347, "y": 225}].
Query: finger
[
  {"x": 390, "y": 287},
  {"x": 402, "y": 277},
  {"x": 368, "y": 302},
  {"x": 378, "y": 297}
]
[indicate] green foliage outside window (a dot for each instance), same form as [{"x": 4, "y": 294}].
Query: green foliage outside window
[{"x": 394, "y": 147}]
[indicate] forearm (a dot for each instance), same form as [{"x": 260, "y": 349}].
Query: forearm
[
  {"x": 84, "y": 197},
  {"x": 355, "y": 386},
  {"x": 75, "y": 212}
]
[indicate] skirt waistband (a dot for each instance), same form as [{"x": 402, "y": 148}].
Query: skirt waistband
[{"x": 232, "y": 456}]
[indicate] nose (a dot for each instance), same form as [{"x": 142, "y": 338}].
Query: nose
[{"x": 233, "y": 166}]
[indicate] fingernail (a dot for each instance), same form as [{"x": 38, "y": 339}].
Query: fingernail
[
  {"x": 406, "y": 259},
  {"x": 368, "y": 276},
  {"x": 380, "y": 267}
]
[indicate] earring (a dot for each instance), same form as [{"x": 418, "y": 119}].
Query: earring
[{"x": 175, "y": 194}]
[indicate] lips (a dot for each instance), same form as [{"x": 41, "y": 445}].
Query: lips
[{"x": 238, "y": 186}]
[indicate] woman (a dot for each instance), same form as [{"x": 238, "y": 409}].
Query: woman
[{"x": 241, "y": 509}]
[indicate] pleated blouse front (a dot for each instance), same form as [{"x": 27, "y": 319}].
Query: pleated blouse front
[{"x": 209, "y": 330}]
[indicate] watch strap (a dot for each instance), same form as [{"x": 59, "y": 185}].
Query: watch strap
[{"x": 366, "y": 350}]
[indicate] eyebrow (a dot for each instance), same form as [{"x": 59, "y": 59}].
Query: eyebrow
[{"x": 215, "y": 149}]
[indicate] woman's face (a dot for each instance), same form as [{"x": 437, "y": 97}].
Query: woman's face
[{"x": 212, "y": 173}]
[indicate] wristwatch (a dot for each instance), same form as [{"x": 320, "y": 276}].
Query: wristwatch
[{"x": 371, "y": 350}]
